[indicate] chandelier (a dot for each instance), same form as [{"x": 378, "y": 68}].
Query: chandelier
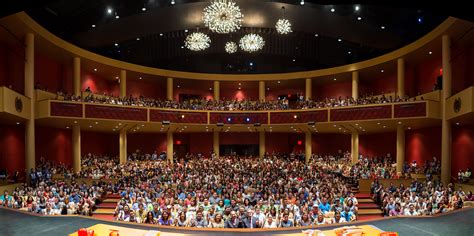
[
  {"x": 197, "y": 41},
  {"x": 283, "y": 26},
  {"x": 223, "y": 16},
  {"x": 231, "y": 47},
  {"x": 251, "y": 42}
]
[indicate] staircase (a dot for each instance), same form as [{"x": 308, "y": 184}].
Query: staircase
[
  {"x": 106, "y": 209},
  {"x": 368, "y": 209}
]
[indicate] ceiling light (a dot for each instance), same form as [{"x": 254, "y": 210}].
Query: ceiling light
[
  {"x": 283, "y": 26},
  {"x": 382, "y": 70},
  {"x": 334, "y": 79},
  {"x": 333, "y": 10},
  {"x": 93, "y": 26},
  {"x": 116, "y": 44},
  {"x": 138, "y": 39},
  {"x": 240, "y": 88},
  {"x": 223, "y": 16},
  {"x": 177, "y": 86},
  {"x": 240, "y": 84},
  {"x": 294, "y": 60},
  {"x": 109, "y": 10},
  {"x": 231, "y": 47},
  {"x": 185, "y": 31},
  {"x": 90, "y": 126},
  {"x": 117, "y": 17},
  {"x": 278, "y": 81},
  {"x": 349, "y": 52},
  {"x": 399, "y": 122},
  {"x": 382, "y": 27},
  {"x": 95, "y": 69},
  {"x": 384, "y": 126},
  {"x": 197, "y": 41},
  {"x": 119, "y": 123},
  {"x": 161, "y": 34},
  {"x": 457, "y": 123},
  {"x": 140, "y": 78},
  {"x": 75, "y": 122},
  {"x": 17, "y": 123},
  {"x": 302, "y": 2},
  {"x": 357, "y": 8},
  {"x": 378, "y": 123},
  {"x": 143, "y": 8},
  {"x": 210, "y": 89},
  {"x": 316, "y": 35},
  {"x": 172, "y": 2},
  {"x": 96, "y": 122},
  {"x": 339, "y": 40},
  {"x": 430, "y": 52},
  {"x": 182, "y": 46},
  {"x": 268, "y": 88},
  {"x": 359, "y": 18},
  {"x": 251, "y": 42}
]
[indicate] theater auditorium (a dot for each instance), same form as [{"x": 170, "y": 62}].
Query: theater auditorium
[{"x": 236, "y": 117}]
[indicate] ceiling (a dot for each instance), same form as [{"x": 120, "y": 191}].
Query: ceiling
[{"x": 154, "y": 37}]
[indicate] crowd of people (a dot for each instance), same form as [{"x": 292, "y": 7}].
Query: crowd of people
[
  {"x": 280, "y": 190},
  {"x": 234, "y": 104}
]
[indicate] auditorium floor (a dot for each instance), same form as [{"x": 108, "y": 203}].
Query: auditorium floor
[{"x": 458, "y": 223}]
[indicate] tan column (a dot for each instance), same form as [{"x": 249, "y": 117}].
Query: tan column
[
  {"x": 355, "y": 146},
  {"x": 30, "y": 161},
  {"x": 261, "y": 90},
  {"x": 355, "y": 84},
  {"x": 77, "y": 76},
  {"x": 400, "y": 148},
  {"x": 76, "y": 148},
  {"x": 261, "y": 146},
  {"x": 308, "y": 89},
  {"x": 123, "y": 83},
  {"x": 308, "y": 149},
  {"x": 169, "y": 88},
  {"x": 123, "y": 146},
  {"x": 216, "y": 143},
  {"x": 217, "y": 90},
  {"x": 445, "y": 125},
  {"x": 169, "y": 146},
  {"x": 401, "y": 77}
]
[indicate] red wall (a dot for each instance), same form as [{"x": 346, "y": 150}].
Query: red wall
[
  {"x": 99, "y": 143},
  {"x": 328, "y": 144},
  {"x": 146, "y": 142},
  {"x": 201, "y": 143},
  {"x": 332, "y": 90},
  {"x": 204, "y": 93},
  {"x": 147, "y": 89},
  {"x": 273, "y": 94},
  {"x": 423, "y": 144},
  {"x": 384, "y": 83},
  {"x": 54, "y": 144},
  {"x": 376, "y": 145},
  {"x": 426, "y": 74},
  {"x": 284, "y": 142},
  {"x": 12, "y": 148},
  {"x": 238, "y": 138},
  {"x": 231, "y": 94},
  {"x": 49, "y": 73},
  {"x": 12, "y": 66},
  {"x": 462, "y": 149},
  {"x": 99, "y": 84},
  {"x": 462, "y": 64}
]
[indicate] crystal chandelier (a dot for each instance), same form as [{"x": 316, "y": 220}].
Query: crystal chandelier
[
  {"x": 197, "y": 41},
  {"x": 283, "y": 26},
  {"x": 223, "y": 16},
  {"x": 231, "y": 47},
  {"x": 251, "y": 42}
]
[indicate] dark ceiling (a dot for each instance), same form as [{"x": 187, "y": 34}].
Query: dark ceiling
[{"x": 154, "y": 37}]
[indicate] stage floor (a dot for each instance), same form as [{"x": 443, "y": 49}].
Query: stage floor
[{"x": 16, "y": 223}]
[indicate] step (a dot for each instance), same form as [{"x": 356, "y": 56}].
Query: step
[
  {"x": 370, "y": 212},
  {"x": 103, "y": 217},
  {"x": 368, "y": 206},
  {"x": 362, "y": 195},
  {"x": 104, "y": 211},
  {"x": 369, "y": 217},
  {"x": 114, "y": 195},
  {"x": 110, "y": 205},
  {"x": 111, "y": 200},
  {"x": 365, "y": 200}
]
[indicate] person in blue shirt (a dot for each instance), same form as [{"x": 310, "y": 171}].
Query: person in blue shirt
[
  {"x": 324, "y": 206},
  {"x": 285, "y": 222},
  {"x": 347, "y": 214}
]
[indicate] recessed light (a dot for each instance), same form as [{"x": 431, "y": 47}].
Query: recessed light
[
  {"x": 140, "y": 78},
  {"x": 143, "y": 8},
  {"x": 457, "y": 123},
  {"x": 185, "y": 31},
  {"x": 378, "y": 123},
  {"x": 382, "y": 70},
  {"x": 294, "y": 60},
  {"x": 382, "y": 27},
  {"x": 268, "y": 88},
  {"x": 138, "y": 39},
  {"x": 240, "y": 84},
  {"x": 116, "y": 77},
  {"x": 278, "y": 81},
  {"x": 67, "y": 127},
  {"x": 117, "y": 16},
  {"x": 316, "y": 35},
  {"x": 333, "y": 10},
  {"x": 90, "y": 126},
  {"x": 95, "y": 69},
  {"x": 339, "y": 40},
  {"x": 409, "y": 127},
  {"x": 96, "y": 122},
  {"x": 178, "y": 86},
  {"x": 116, "y": 44},
  {"x": 161, "y": 34},
  {"x": 172, "y": 2},
  {"x": 349, "y": 52},
  {"x": 75, "y": 122},
  {"x": 399, "y": 122},
  {"x": 334, "y": 79},
  {"x": 359, "y": 18},
  {"x": 210, "y": 89},
  {"x": 182, "y": 47},
  {"x": 302, "y": 2},
  {"x": 93, "y": 26},
  {"x": 239, "y": 88},
  {"x": 357, "y": 8},
  {"x": 17, "y": 123},
  {"x": 120, "y": 123},
  {"x": 109, "y": 10},
  {"x": 430, "y": 52},
  {"x": 384, "y": 126}
]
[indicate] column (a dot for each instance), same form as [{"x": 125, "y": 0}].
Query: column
[
  {"x": 355, "y": 84},
  {"x": 76, "y": 148},
  {"x": 77, "y": 76},
  {"x": 261, "y": 90},
  {"x": 216, "y": 143},
  {"x": 445, "y": 125},
  {"x": 308, "y": 89},
  {"x": 123, "y": 83},
  {"x": 400, "y": 148},
  {"x": 169, "y": 88},
  {"x": 123, "y": 146},
  {"x": 217, "y": 90},
  {"x": 169, "y": 146},
  {"x": 401, "y": 77},
  {"x": 29, "y": 92},
  {"x": 355, "y": 146},
  {"x": 261, "y": 146},
  {"x": 308, "y": 149}
]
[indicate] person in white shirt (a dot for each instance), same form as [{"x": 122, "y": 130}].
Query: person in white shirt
[
  {"x": 411, "y": 211},
  {"x": 270, "y": 223}
]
